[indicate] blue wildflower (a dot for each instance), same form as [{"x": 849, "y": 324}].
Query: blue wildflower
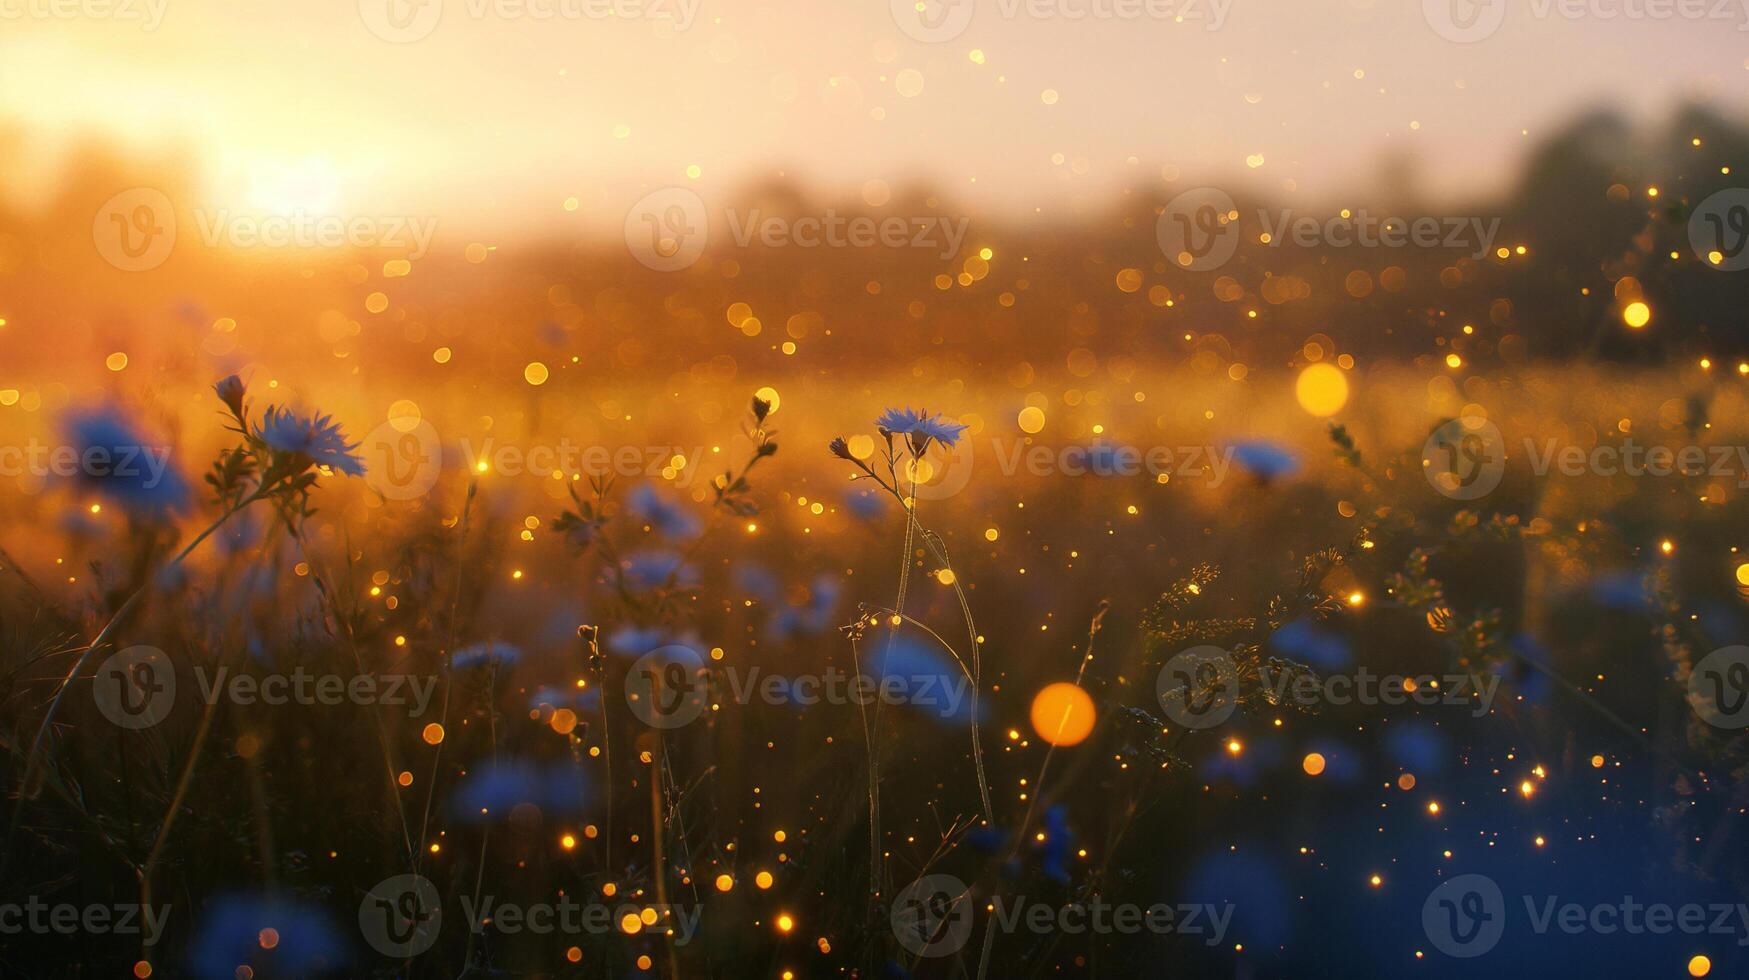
[
  {"x": 229, "y": 938},
  {"x": 920, "y": 427},
  {"x": 490, "y": 793},
  {"x": 635, "y": 641},
  {"x": 812, "y": 616},
  {"x": 317, "y": 439},
  {"x": 865, "y": 503},
  {"x": 918, "y": 676},
  {"x": 757, "y": 580},
  {"x": 648, "y": 570},
  {"x": 116, "y": 462},
  {"x": 1621, "y": 590},
  {"x": 579, "y": 699},
  {"x": 1054, "y": 850},
  {"x": 1236, "y": 876},
  {"x": 669, "y": 520},
  {"x": 1310, "y": 643},
  {"x": 230, "y": 391},
  {"x": 1417, "y": 746},
  {"x": 1264, "y": 460},
  {"x": 491, "y": 653}
]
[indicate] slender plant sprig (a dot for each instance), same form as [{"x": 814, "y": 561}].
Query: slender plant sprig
[
  {"x": 588, "y": 527},
  {"x": 448, "y": 674},
  {"x": 906, "y": 456}
]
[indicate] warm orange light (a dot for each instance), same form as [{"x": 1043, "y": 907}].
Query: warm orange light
[{"x": 1062, "y": 714}]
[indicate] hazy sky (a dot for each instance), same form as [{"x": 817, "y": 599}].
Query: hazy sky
[{"x": 493, "y": 113}]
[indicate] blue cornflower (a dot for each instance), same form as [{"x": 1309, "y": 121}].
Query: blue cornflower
[
  {"x": 633, "y": 642},
  {"x": 229, "y": 937},
  {"x": 648, "y": 570},
  {"x": 316, "y": 438},
  {"x": 669, "y": 520},
  {"x": 920, "y": 427},
  {"x": 758, "y": 581},
  {"x": 115, "y": 461},
  {"x": 916, "y": 674},
  {"x": 576, "y": 698},
  {"x": 1054, "y": 849},
  {"x": 865, "y": 504},
  {"x": 491, "y": 792},
  {"x": 812, "y": 616},
  {"x": 1265, "y": 460},
  {"x": 230, "y": 391},
  {"x": 490, "y": 653}
]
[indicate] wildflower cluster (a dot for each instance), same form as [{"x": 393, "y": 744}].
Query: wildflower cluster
[
  {"x": 918, "y": 431},
  {"x": 280, "y": 457}
]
